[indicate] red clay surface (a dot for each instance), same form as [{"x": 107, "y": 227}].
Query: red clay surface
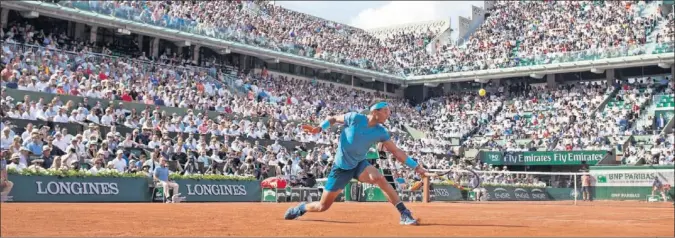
[{"x": 343, "y": 219}]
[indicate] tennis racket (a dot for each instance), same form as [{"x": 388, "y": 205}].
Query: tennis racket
[{"x": 473, "y": 179}]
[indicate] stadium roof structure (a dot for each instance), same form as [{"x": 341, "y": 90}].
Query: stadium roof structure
[{"x": 615, "y": 58}]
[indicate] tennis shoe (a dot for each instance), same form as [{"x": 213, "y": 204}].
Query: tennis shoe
[
  {"x": 295, "y": 212},
  {"x": 407, "y": 219}
]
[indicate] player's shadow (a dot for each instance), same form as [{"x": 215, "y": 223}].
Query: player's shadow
[
  {"x": 327, "y": 221},
  {"x": 475, "y": 225}
]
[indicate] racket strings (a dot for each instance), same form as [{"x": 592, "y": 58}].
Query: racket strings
[{"x": 463, "y": 178}]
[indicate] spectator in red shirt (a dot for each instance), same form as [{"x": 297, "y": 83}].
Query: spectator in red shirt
[
  {"x": 74, "y": 91},
  {"x": 204, "y": 127},
  {"x": 59, "y": 89},
  {"x": 125, "y": 96}
]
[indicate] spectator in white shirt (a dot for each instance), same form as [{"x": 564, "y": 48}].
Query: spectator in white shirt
[
  {"x": 69, "y": 158},
  {"x": 107, "y": 119},
  {"x": 62, "y": 117},
  {"x": 98, "y": 167},
  {"x": 155, "y": 142},
  {"x": 5, "y": 139},
  {"x": 15, "y": 163},
  {"x": 29, "y": 130},
  {"x": 93, "y": 118},
  {"x": 120, "y": 163},
  {"x": 60, "y": 141}
]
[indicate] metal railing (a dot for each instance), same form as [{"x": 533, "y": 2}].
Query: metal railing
[{"x": 544, "y": 59}]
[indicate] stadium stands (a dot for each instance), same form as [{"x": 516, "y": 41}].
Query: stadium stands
[
  {"x": 504, "y": 40},
  {"x": 85, "y": 85}
]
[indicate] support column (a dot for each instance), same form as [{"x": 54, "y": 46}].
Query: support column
[
  {"x": 242, "y": 62},
  {"x": 385, "y": 87},
  {"x": 79, "y": 31},
  {"x": 140, "y": 42},
  {"x": 609, "y": 75},
  {"x": 195, "y": 54},
  {"x": 155, "y": 48},
  {"x": 179, "y": 51},
  {"x": 672, "y": 73},
  {"x": 352, "y": 80},
  {"x": 93, "y": 33},
  {"x": 550, "y": 81},
  {"x": 425, "y": 93},
  {"x": 4, "y": 16}
]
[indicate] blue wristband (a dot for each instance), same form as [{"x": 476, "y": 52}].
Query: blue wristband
[
  {"x": 410, "y": 162},
  {"x": 325, "y": 125}
]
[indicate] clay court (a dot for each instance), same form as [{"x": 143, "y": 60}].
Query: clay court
[{"x": 344, "y": 219}]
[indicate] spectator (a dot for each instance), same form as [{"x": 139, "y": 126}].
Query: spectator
[
  {"x": 46, "y": 157},
  {"x": 161, "y": 177},
  {"x": 586, "y": 187},
  {"x": 98, "y": 167},
  {"x": 15, "y": 165},
  {"x": 119, "y": 163}
]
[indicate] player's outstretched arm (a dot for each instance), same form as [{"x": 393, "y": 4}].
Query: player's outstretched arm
[
  {"x": 335, "y": 119},
  {"x": 402, "y": 157},
  {"x": 331, "y": 120}
]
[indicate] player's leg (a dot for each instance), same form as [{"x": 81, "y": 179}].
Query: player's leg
[
  {"x": 584, "y": 193},
  {"x": 336, "y": 181},
  {"x": 327, "y": 199},
  {"x": 5, "y": 188},
  {"x": 369, "y": 174}
]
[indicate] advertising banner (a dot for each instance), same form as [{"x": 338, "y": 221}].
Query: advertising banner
[
  {"x": 410, "y": 196},
  {"x": 561, "y": 194},
  {"x": 444, "y": 193},
  {"x": 629, "y": 182},
  {"x": 90, "y": 189},
  {"x": 516, "y": 194},
  {"x": 542, "y": 157},
  {"x": 372, "y": 193},
  {"x": 219, "y": 190},
  {"x": 295, "y": 195}
]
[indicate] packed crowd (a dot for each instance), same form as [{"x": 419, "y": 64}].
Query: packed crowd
[
  {"x": 141, "y": 151},
  {"x": 667, "y": 32},
  {"x": 658, "y": 152},
  {"x": 542, "y": 116},
  {"x": 92, "y": 75},
  {"x": 539, "y": 32},
  {"x": 515, "y": 33}
]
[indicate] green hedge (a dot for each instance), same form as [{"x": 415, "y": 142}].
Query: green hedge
[{"x": 115, "y": 174}]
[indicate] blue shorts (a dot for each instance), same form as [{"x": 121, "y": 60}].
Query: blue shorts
[{"x": 338, "y": 178}]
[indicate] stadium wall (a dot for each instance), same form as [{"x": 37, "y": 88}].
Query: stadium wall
[{"x": 64, "y": 188}]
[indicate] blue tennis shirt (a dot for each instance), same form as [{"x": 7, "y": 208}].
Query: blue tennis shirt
[{"x": 356, "y": 139}]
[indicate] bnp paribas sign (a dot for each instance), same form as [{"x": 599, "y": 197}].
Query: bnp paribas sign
[{"x": 542, "y": 157}]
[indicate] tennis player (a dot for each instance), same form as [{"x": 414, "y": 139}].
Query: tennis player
[{"x": 360, "y": 132}]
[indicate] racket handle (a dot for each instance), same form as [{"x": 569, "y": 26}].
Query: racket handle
[{"x": 430, "y": 174}]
